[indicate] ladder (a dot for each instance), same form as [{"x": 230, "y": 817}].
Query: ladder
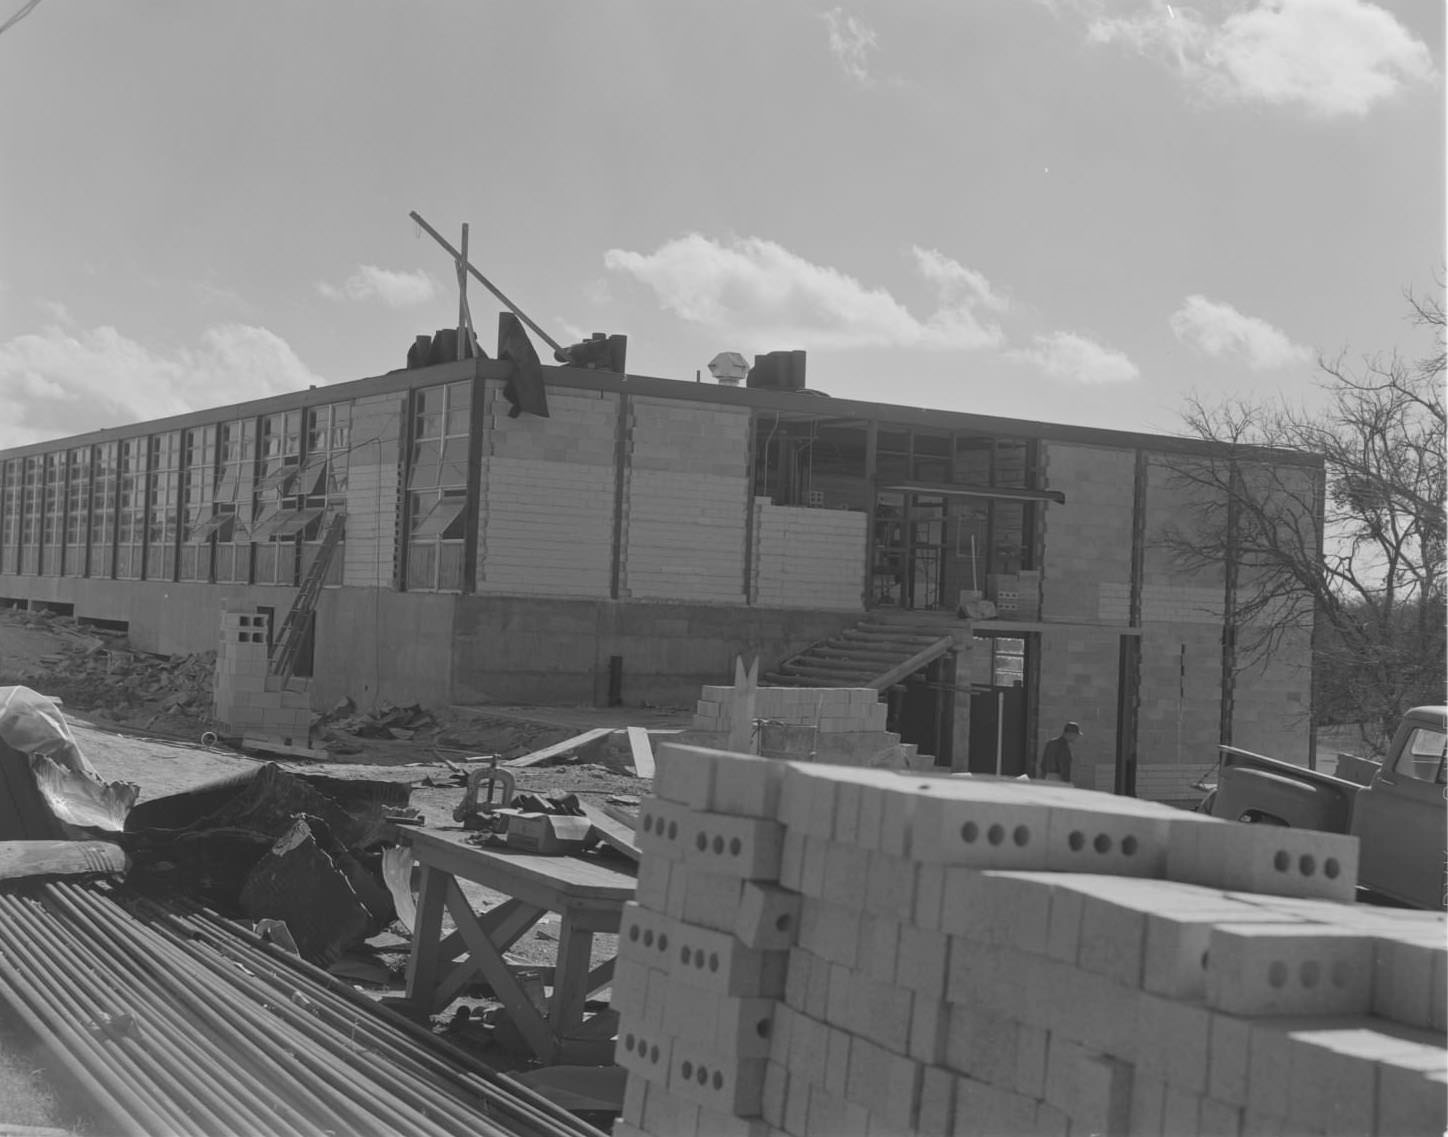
[{"x": 299, "y": 620}]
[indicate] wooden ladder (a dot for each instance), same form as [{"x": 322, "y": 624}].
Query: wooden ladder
[{"x": 298, "y": 622}]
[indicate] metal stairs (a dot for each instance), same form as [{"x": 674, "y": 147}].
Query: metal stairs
[{"x": 877, "y": 652}]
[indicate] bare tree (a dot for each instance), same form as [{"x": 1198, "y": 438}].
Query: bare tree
[{"x": 1350, "y": 545}]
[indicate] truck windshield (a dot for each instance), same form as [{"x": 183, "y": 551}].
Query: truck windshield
[{"x": 1422, "y": 755}]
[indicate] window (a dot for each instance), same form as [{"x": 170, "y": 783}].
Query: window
[
  {"x": 77, "y": 511},
  {"x": 10, "y": 515},
  {"x": 163, "y": 502},
  {"x": 30, "y": 515},
  {"x": 103, "y": 509},
  {"x": 199, "y": 519},
  {"x": 1422, "y": 755},
  {"x": 233, "y": 501},
  {"x": 131, "y": 509},
  {"x": 281, "y": 463},
  {"x": 437, "y": 485},
  {"x": 322, "y": 484},
  {"x": 52, "y": 514}
]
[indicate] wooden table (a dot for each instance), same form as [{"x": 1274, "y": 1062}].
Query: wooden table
[{"x": 587, "y": 893}]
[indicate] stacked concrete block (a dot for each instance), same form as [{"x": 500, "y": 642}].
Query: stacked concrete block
[
  {"x": 547, "y": 504},
  {"x": 976, "y": 956},
  {"x": 807, "y": 558},
  {"x": 248, "y": 701},
  {"x": 685, "y": 499},
  {"x": 1090, "y": 541},
  {"x": 842, "y": 725}
]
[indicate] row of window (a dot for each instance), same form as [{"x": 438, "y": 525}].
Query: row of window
[{"x": 244, "y": 501}]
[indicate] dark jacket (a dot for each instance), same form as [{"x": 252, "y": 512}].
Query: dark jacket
[{"x": 1056, "y": 758}]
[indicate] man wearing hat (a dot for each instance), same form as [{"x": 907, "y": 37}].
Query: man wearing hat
[{"x": 1056, "y": 758}]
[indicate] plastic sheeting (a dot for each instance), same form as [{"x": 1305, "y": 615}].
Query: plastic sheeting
[{"x": 36, "y": 739}]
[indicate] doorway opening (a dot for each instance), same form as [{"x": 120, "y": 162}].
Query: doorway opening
[{"x": 1000, "y": 707}]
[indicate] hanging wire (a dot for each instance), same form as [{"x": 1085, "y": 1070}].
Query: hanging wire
[{"x": 25, "y": 10}]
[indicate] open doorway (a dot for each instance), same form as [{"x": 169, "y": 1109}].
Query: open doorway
[{"x": 999, "y": 705}]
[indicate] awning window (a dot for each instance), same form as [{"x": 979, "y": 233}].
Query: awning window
[
  {"x": 203, "y": 529},
  {"x": 442, "y": 520},
  {"x": 294, "y": 522},
  {"x": 278, "y": 479}
]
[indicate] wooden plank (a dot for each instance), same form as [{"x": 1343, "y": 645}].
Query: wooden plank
[
  {"x": 643, "y": 751},
  {"x": 914, "y": 663},
  {"x": 622, "y": 815},
  {"x": 274, "y": 746},
  {"x": 741, "y": 708},
  {"x": 20, "y": 859},
  {"x": 559, "y": 748},
  {"x": 612, "y": 833}
]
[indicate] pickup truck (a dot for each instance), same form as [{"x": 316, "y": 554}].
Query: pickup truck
[{"x": 1400, "y": 818}]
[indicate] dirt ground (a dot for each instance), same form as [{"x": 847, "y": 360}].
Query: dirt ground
[{"x": 142, "y": 719}]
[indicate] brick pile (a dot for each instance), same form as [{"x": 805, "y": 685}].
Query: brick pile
[
  {"x": 836, "y": 951},
  {"x": 248, "y": 701},
  {"x": 843, "y": 725}
]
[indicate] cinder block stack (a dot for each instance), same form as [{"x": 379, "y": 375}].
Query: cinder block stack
[
  {"x": 246, "y": 700},
  {"x": 833, "y": 951},
  {"x": 842, "y": 725}
]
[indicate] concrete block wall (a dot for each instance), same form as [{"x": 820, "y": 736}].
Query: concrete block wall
[
  {"x": 1179, "y": 719},
  {"x": 1272, "y": 700},
  {"x": 685, "y": 509},
  {"x": 546, "y": 510},
  {"x": 1088, "y": 539},
  {"x": 1170, "y": 504},
  {"x": 807, "y": 557},
  {"x": 821, "y": 951},
  {"x": 1079, "y": 675},
  {"x": 369, "y": 553},
  {"x": 246, "y": 700},
  {"x": 839, "y": 725}
]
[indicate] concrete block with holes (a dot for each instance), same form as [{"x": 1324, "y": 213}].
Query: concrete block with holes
[
  {"x": 720, "y": 1083},
  {"x": 1289, "y": 969},
  {"x": 768, "y": 916},
  {"x": 1269, "y": 859},
  {"x": 662, "y": 830}
]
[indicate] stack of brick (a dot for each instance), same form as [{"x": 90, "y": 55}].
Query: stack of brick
[
  {"x": 246, "y": 700},
  {"x": 807, "y": 558},
  {"x": 840, "y": 725},
  {"x": 832, "y": 951},
  {"x": 1017, "y": 595}
]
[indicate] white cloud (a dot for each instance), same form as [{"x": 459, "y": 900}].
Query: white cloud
[
  {"x": 851, "y": 42},
  {"x": 763, "y": 296},
  {"x": 1066, "y": 355},
  {"x": 59, "y": 382},
  {"x": 1331, "y": 57},
  {"x": 393, "y": 288},
  {"x": 1216, "y": 328}
]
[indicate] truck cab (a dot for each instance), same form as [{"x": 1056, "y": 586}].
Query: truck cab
[{"x": 1400, "y": 818}]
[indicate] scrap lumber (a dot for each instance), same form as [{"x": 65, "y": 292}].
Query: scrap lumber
[
  {"x": 643, "y": 751},
  {"x": 272, "y": 746},
  {"x": 741, "y": 710},
  {"x": 20, "y": 859},
  {"x": 559, "y": 748},
  {"x": 614, "y": 834}
]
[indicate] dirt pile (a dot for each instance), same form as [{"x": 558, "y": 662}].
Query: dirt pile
[{"x": 95, "y": 670}]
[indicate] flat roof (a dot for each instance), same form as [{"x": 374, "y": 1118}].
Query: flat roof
[{"x": 800, "y": 405}]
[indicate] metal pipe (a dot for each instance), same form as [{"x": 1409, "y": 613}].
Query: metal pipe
[
  {"x": 315, "y": 1115},
  {"x": 175, "y": 1034},
  {"x": 92, "y": 1083},
  {"x": 157, "y": 1054},
  {"x": 347, "y": 1094},
  {"x": 408, "y": 1037},
  {"x": 139, "y": 1115}
]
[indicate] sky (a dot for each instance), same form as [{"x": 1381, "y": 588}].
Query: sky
[{"x": 1074, "y": 211}]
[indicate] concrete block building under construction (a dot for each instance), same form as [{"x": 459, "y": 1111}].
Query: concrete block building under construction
[{"x": 627, "y": 545}]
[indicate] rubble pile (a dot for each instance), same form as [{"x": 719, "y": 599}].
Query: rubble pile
[
  {"x": 302, "y": 849},
  {"x": 96, "y": 670}
]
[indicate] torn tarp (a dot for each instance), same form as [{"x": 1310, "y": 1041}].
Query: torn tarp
[{"x": 49, "y": 789}]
